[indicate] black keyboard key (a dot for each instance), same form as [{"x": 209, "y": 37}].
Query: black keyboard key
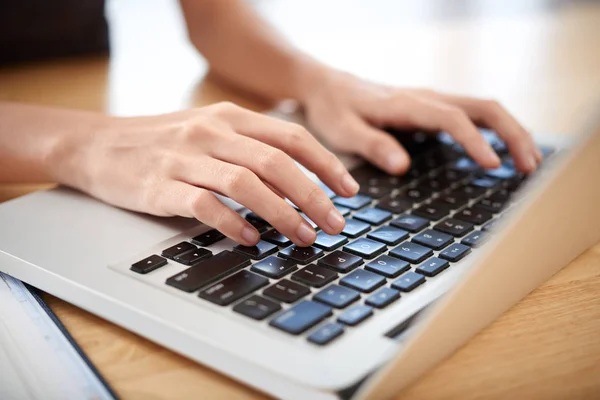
[
  {"x": 148, "y": 264},
  {"x": 260, "y": 225},
  {"x": 417, "y": 194},
  {"x": 408, "y": 281},
  {"x": 455, "y": 200},
  {"x": 454, "y": 227},
  {"x": 233, "y": 288},
  {"x": 500, "y": 195},
  {"x": 388, "y": 266},
  {"x": 502, "y": 172},
  {"x": 394, "y": 205},
  {"x": 469, "y": 191},
  {"x": 475, "y": 239},
  {"x": 207, "y": 238},
  {"x": 340, "y": 261},
  {"x": 252, "y": 216},
  {"x": 455, "y": 252},
  {"x": 313, "y": 275},
  {"x": 286, "y": 291},
  {"x": 329, "y": 242},
  {"x": 354, "y": 203},
  {"x": 388, "y": 235},
  {"x": 437, "y": 184},
  {"x": 365, "y": 248},
  {"x": 435, "y": 210},
  {"x": 178, "y": 249},
  {"x": 301, "y": 317},
  {"x": 258, "y": 252},
  {"x": 275, "y": 237},
  {"x": 208, "y": 271},
  {"x": 256, "y": 307},
  {"x": 274, "y": 267},
  {"x": 411, "y": 223},
  {"x": 355, "y": 315},
  {"x": 383, "y": 297},
  {"x": 302, "y": 255},
  {"x": 355, "y": 228},
  {"x": 364, "y": 281},
  {"x": 489, "y": 205},
  {"x": 192, "y": 257},
  {"x": 433, "y": 266},
  {"x": 474, "y": 216},
  {"x": 373, "y": 216},
  {"x": 412, "y": 252},
  {"x": 434, "y": 239},
  {"x": 485, "y": 182},
  {"x": 326, "y": 333},
  {"x": 337, "y": 296},
  {"x": 375, "y": 192},
  {"x": 455, "y": 176}
]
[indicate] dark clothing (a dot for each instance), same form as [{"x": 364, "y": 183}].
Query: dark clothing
[{"x": 38, "y": 29}]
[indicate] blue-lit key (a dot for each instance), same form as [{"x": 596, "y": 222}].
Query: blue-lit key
[
  {"x": 354, "y": 203},
  {"x": 411, "y": 252},
  {"x": 337, "y": 296},
  {"x": 502, "y": 172},
  {"x": 365, "y": 248},
  {"x": 355, "y": 228},
  {"x": 388, "y": 235},
  {"x": 434, "y": 239},
  {"x": 455, "y": 252},
  {"x": 383, "y": 297},
  {"x": 466, "y": 165},
  {"x": 475, "y": 239},
  {"x": 329, "y": 242},
  {"x": 433, "y": 266},
  {"x": 388, "y": 266},
  {"x": 326, "y": 333},
  {"x": 411, "y": 223},
  {"x": 330, "y": 193},
  {"x": 362, "y": 280},
  {"x": 408, "y": 281},
  {"x": 373, "y": 216},
  {"x": 274, "y": 267},
  {"x": 300, "y": 317},
  {"x": 485, "y": 182},
  {"x": 355, "y": 315},
  {"x": 343, "y": 210}
]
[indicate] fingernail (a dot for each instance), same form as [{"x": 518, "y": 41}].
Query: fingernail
[
  {"x": 538, "y": 155},
  {"x": 349, "y": 184},
  {"x": 306, "y": 234},
  {"x": 531, "y": 163},
  {"x": 493, "y": 157},
  {"x": 395, "y": 161},
  {"x": 250, "y": 235},
  {"x": 335, "y": 220}
]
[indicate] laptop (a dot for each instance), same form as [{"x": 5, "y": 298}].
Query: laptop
[{"x": 425, "y": 261}]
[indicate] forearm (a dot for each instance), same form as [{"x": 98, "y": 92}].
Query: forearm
[{"x": 245, "y": 51}]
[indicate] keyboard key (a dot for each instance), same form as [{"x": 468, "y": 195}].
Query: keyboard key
[
  {"x": 329, "y": 242},
  {"x": 275, "y": 237},
  {"x": 330, "y": 193},
  {"x": 233, "y": 288},
  {"x": 469, "y": 191},
  {"x": 207, "y": 238},
  {"x": 310, "y": 221},
  {"x": 192, "y": 257},
  {"x": 455, "y": 252},
  {"x": 437, "y": 184},
  {"x": 178, "y": 249},
  {"x": 208, "y": 271},
  {"x": 340, "y": 261},
  {"x": 474, "y": 216},
  {"x": 355, "y": 315},
  {"x": 355, "y": 228},
  {"x": 489, "y": 205},
  {"x": 302, "y": 255},
  {"x": 286, "y": 291},
  {"x": 434, "y": 239},
  {"x": 411, "y": 223},
  {"x": 274, "y": 267},
  {"x": 258, "y": 252},
  {"x": 354, "y": 203},
  {"x": 388, "y": 235},
  {"x": 383, "y": 297},
  {"x": 343, "y": 210},
  {"x": 411, "y": 252},
  {"x": 373, "y": 216},
  {"x": 433, "y": 266},
  {"x": 485, "y": 182},
  {"x": 408, "y": 281},
  {"x": 364, "y": 281},
  {"x": 388, "y": 266},
  {"x": 475, "y": 239},
  {"x": 337, "y": 296},
  {"x": 394, "y": 205},
  {"x": 490, "y": 226},
  {"x": 375, "y": 192},
  {"x": 455, "y": 200},
  {"x": 326, "y": 333},
  {"x": 256, "y": 307},
  {"x": 435, "y": 210},
  {"x": 260, "y": 224},
  {"x": 417, "y": 194},
  {"x": 148, "y": 264},
  {"x": 365, "y": 248},
  {"x": 313, "y": 275},
  {"x": 465, "y": 165},
  {"x": 454, "y": 227},
  {"x": 301, "y": 317},
  {"x": 500, "y": 195},
  {"x": 252, "y": 216},
  {"x": 502, "y": 172}
]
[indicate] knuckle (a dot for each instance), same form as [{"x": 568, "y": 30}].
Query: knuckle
[
  {"x": 316, "y": 196},
  {"x": 272, "y": 160},
  {"x": 456, "y": 116},
  {"x": 239, "y": 179},
  {"x": 224, "y": 108},
  {"x": 297, "y": 134},
  {"x": 199, "y": 204}
]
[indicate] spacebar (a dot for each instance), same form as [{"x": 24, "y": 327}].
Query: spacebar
[{"x": 208, "y": 271}]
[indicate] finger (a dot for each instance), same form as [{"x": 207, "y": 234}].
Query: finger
[
  {"x": 298, "y": 143},
  {"x": 182, "y": 199}
]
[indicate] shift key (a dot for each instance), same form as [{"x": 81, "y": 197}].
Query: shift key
[{"x": 208, "y": 271}]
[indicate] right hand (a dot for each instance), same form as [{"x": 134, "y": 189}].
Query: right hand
[{"x": 167, "y": 165}]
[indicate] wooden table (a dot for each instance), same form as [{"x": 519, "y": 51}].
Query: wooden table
[{"x": 543, "y": 62}]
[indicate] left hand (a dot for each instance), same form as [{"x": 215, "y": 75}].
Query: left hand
[{"x": 349, "y": 114}]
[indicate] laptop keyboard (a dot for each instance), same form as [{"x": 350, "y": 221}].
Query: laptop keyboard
[{"x": 400, "y": 232}]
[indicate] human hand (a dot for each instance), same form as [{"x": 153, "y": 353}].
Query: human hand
[{"x": 168, "y": 165}]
